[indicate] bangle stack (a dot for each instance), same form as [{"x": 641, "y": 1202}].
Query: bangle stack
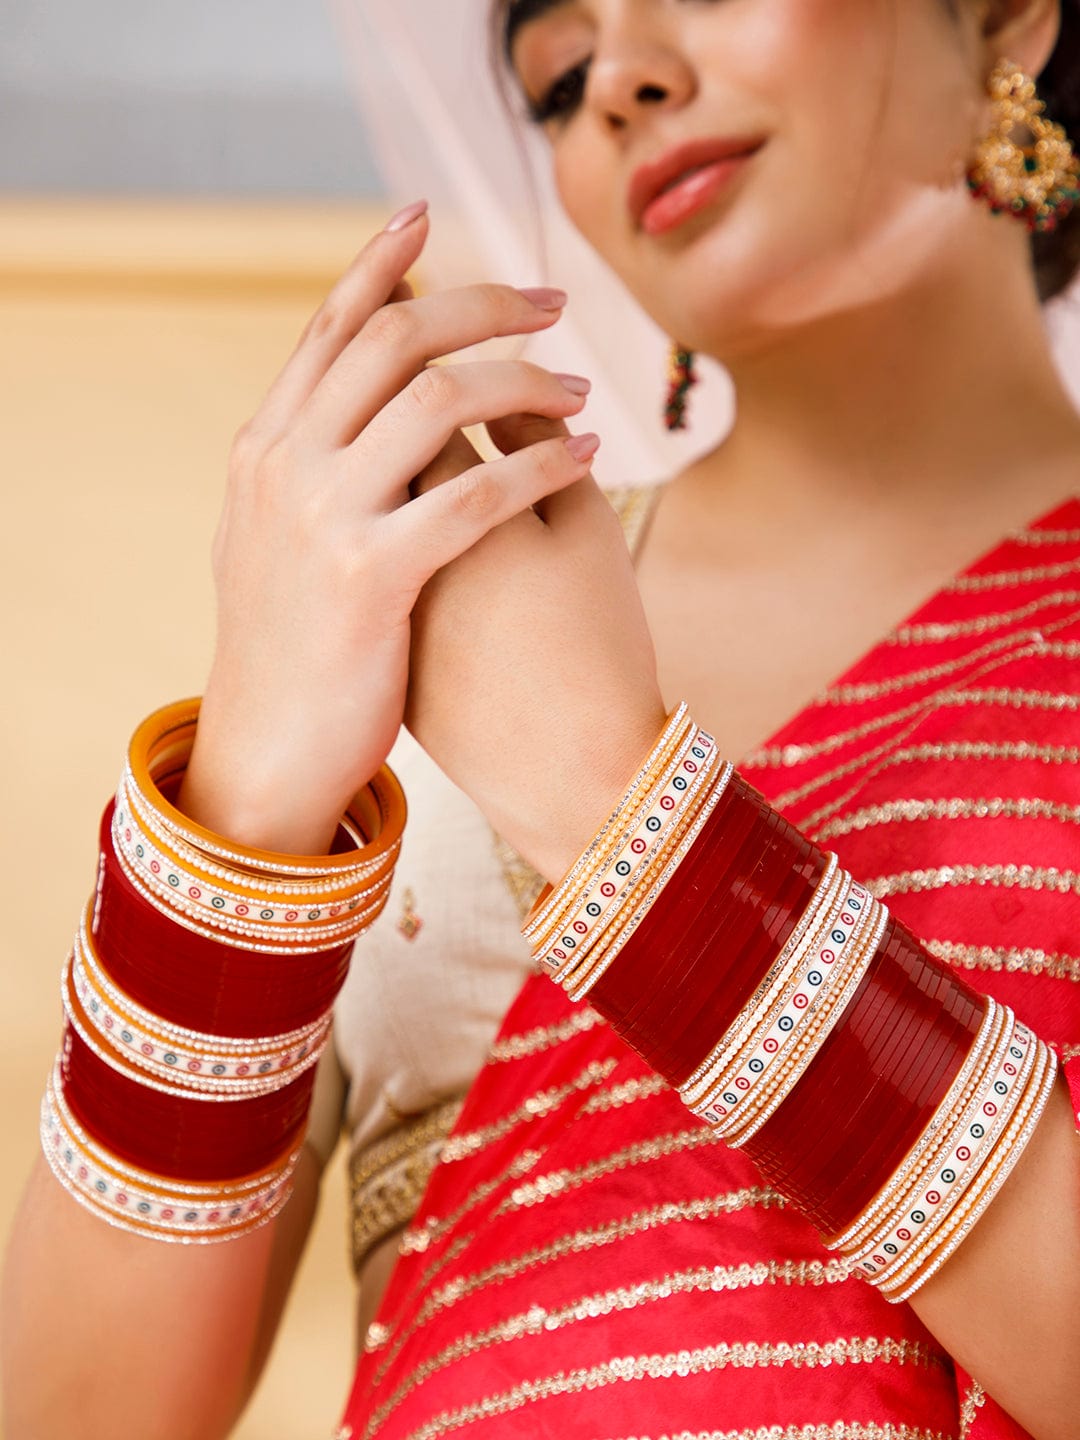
[
  {"x": 197, "y": 999},
  {"x": 795, "y": 1016}
]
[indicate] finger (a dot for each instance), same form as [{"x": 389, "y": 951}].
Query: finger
[
  {"x": 398, "y": 341},
  {"x": 449, "y": 519},
  {"x": 410, "y": 431},
  {"x": 563, "y": 507},
  {"x": 374, "y": 279}
]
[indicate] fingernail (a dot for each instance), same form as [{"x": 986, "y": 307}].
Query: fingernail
[
  {"x": 545, "y": 297},
  {"x": 407, "y": 216},
  {"x": 576, "y": 384},
  {"x": 582, "y": 446}
]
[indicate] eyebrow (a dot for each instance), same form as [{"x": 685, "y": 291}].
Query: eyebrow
[{"x": 519, "y": 13}]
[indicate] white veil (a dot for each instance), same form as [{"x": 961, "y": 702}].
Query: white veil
[
  {"x": 426, "y": 88},
  {"x": 440, "y": 127}
]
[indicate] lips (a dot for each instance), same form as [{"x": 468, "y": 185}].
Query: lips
[{"x": 655, "y": 176}]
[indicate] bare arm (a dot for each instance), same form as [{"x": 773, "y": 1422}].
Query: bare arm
[{"x": 99, "y": 1323}]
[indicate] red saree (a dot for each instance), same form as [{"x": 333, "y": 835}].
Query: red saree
[{"x": 588, "y": 1260}]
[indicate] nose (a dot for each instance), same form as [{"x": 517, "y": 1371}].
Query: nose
[{"x": 628, "y": 75}]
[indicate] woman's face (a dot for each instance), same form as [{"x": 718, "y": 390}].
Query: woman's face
[{"x": 861, "y": 115}]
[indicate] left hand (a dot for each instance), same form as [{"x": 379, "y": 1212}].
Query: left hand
[{"x": 532, "y": 672}]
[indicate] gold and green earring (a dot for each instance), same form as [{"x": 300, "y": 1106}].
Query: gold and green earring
[{"x": 680, "y": 377}]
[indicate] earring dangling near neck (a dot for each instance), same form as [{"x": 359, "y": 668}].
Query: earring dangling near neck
[
  {"x": 1025, "y": 166},
  {"x": 680, "y": 377}
]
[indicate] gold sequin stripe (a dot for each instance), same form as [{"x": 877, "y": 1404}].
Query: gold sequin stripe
[
  {"x": 859, "y": 693},
  {"x": 955, "y": 808},
  {"x": 565, "y": 951},
  {"x": 578, "y": 989},
  {"x": 543, "y": 1037},
  {"x": 972, "y": 1207},
  {"x": 1009, "y": 579},
  {"x": 922, "y": 1193},
  {"x": 834, "y": 1003},
  {"x": 1045, "y": 537},
  {"x": 1012, "y": 959},
  {"x": 611, "y": 1232},
  {"x": 204, "y": 850},
  {"x": 784, "y": 756},
  {"x": 934, "y": 633},
  {"x": 831, "y": 1430},
  {"x": 471, "y": 1142},
  {"x": 588, "y": 962},
  {"x": 576, "y": 927},
  {"x": 419, "y": 1239},
  {"x": 242, "y": 1066},
  {"x": 154, "y": 1205},
  {"x": 951, "y": 750},
  {"x": 1020, "y": 877},
  {"x": 823, "y": 910},
  {"x": 703, "y": 1360},
  {"x": 627, "y": 1092},
  {"x": 988, "y": 1048},
  {"x": 243, "y": 904},
  {"x": 974, "y": 1400},
  {"x": 542, "y": 1320},
  {"x": 674, "y": 734},
  {"x": 240, "y": 935}
]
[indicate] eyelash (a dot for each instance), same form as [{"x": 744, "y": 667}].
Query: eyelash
[{"x": 550, "y": 106}]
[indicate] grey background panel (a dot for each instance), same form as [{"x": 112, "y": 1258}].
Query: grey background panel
[{"x": 178, "y": 97}]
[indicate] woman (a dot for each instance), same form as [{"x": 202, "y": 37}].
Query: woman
[{"x": 878, "y": 452}]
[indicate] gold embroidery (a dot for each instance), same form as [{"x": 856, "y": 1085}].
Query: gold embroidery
[
  {"x": 934, "y": 633},
  {"x": 949, "y": 750},
  {"x": 831, "y": 1430},
  {"x": 544, "y": 1037},
  {"x": 625, "y": 1093},
  {"x": 1006, "y": 958},
  {"x": 1021, "y": 877},
  {"x": 1009, "y": 579},
  {"x": 1068, "y": 1052},
  {"x": 1045, "y": 537},
  {"x": 525, "y": 883},
  {"x": 558, "y": 1182},
  {"x": 704, "y": 1360},
  {"x": 996, "y": 807},
  {"x": 974, "y": 1400},
  {"x": 538, "y": 1320},
  {"x": 542, "y": 1103},
  {"x": 387, "y": 1180}
]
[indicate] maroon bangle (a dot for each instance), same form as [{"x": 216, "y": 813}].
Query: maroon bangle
[
  {"x": 834, "y": 1186},
  {"x": 173, "y": 1136},
  {"x": 739, "y": 892},
  {"x": 198, "y": 983}
]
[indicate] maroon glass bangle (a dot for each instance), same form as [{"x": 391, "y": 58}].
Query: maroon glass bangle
[
  {"x": 171, "y": 1136},
  {"x": 202, "y": 984},
  {"x": 833, "y": 1188},
  {"x": 739, "y": 893}
]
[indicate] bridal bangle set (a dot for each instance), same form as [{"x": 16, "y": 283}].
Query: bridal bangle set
[{"x": 794, "y": 1015}]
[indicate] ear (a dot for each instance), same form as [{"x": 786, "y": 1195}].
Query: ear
[{"x": 1023, "y": 31}]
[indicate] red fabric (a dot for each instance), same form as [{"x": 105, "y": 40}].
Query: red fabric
[{"x": 595, "y": 1264}]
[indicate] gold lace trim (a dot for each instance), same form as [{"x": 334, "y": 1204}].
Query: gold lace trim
[
  {"x": 544, "y": 1037},
  {"x": 471, "y": 1142},
  {"x": 1020, "y": 877},
  {"x": 1009, "y": 579},
  {"x": 387, "y": 1179},
  {"x": 1045, "y": 537}
]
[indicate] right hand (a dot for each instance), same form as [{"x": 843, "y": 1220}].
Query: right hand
[{"x": 321, "y": 551}]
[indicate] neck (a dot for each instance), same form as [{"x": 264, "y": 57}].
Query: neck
[{"x": 938, "y": 394}]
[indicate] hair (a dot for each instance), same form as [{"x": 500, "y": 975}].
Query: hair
[{"x": 1055, "y": 254}]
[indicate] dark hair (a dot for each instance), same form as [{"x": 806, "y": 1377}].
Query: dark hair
[{"x": 1056, "y": 253}]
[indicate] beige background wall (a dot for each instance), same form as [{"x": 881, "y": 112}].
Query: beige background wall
[{"x": 134, "y": 339}]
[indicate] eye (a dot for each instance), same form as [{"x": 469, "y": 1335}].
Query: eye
[{"x": 562, "y": 97}]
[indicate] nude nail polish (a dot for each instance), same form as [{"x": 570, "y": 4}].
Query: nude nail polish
[{"x": 407, "y": 216}]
